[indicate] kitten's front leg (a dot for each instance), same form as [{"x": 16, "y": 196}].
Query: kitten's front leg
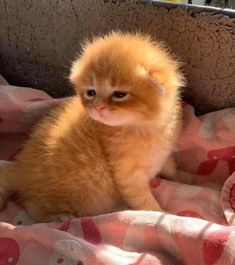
[
  {"x": 169, "y": 168},
  {"x": 137, "y": 194},
  {"x": 171, "y": 172}
]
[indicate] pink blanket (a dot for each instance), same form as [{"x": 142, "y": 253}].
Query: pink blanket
[{"x": 198, "y": 227}]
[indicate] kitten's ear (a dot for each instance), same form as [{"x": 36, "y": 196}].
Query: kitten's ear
[
  {"x": 151, "y": 78},
  {"x": 156, "y": 84},
  {"x": 74, "y": 72}
]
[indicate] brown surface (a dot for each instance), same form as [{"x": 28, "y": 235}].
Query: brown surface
[{"x": 38, "y": 39}]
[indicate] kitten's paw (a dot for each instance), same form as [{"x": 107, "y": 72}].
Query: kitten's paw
[
  {"x": 150, "y": 205},
  {"x": 61, "y": 217},
  {"x": 181, "y": 176},
  {"x": 156, "y": 208}
]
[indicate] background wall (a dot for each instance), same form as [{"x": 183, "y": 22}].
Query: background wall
[{"x": 38, "y": 40}]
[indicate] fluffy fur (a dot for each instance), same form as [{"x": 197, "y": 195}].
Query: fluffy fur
[{"x": 101, "y": 148}]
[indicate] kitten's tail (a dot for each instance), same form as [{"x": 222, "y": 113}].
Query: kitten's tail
[{"x": 7, "y": 188}]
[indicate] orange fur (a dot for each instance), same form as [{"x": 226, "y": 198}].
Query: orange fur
[{"x": 96, "y": 152}]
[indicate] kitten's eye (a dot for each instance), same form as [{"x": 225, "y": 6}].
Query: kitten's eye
[
  {"x": 119, "y": 95},
  {"x": 90, "y": 94}
]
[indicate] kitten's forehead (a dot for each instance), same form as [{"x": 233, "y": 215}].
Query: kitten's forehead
[
  {"x": 100, "y": 83},
  {"x": 104, "y": 85}
]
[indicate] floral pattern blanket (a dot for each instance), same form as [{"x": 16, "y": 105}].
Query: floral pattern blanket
[{"x": 197, "y": 227}]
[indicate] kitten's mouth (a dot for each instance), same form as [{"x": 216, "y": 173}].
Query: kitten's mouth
[
  {"x": 97, "y": 115},
  {"x": 105, "y": 118},
  {"x": 110, "y": 118},
  {"x": 100, "y": 113}
]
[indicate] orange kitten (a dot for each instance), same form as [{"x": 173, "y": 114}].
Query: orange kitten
[{"x": 102, "y": 146}]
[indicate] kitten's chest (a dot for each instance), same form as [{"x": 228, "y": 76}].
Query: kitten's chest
[
  {"x": 151, "y": 156},
  {"x": 145, "y": 154}
]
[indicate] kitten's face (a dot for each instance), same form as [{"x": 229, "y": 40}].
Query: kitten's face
[{"x": 111, "y": 105}]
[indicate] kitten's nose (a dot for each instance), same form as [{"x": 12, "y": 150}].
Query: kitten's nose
[{"x": 99, "y": 107}]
